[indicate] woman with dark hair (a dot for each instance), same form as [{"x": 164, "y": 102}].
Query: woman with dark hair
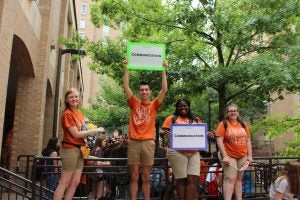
[
  {"x": 184, "y": 163},
  {"x": 52, "y": 150},
  {"x": 234, "y": 142},
  {"x": 98, "y": 182},
  {"x": 287, "y": 183},
  {"x": 72, "y": 122}
]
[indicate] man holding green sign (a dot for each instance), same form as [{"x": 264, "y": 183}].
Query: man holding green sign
[{"x": 141, "y": 144}]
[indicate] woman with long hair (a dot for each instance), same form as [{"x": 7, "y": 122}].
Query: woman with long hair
[
  {"x": 184, "y": 163},
  {"x": 287, "y": 183},
  {"x": 98, "y": 182},
  {"x": 52, "y": 150},
  {"x": 72, "y": 122},
  {"x": 234, "y": 142}
]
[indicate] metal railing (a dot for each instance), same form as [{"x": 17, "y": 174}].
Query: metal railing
[{"x": 116, "y": 179}]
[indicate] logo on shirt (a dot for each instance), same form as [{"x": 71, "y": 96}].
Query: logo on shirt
[
  {"x": 236, "y": 136},
  {"x": 142, "y": 116}
]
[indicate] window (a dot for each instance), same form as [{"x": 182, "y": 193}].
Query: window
[
  {"x": 105, "y": 30},
  {"x": 105, "y": 40},
  {"x": 81, "y": 34},
  {"x": 83, "y": 9},
  {"x": 82, "y": 23}
]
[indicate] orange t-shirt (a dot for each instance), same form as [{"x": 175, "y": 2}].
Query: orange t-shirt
[
  {"x": 167, "y": 124},
  {"x": 235, "y": 139},
  {"x": 142, "y": 119},
  {"x": 69, "y": 119}
]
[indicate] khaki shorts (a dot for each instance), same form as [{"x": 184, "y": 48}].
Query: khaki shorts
[
  {"x": 71, "y": 159},
  {"x": 141, "y": 152},
  {"x": 184, "y": 164},
  {"x": 230, "y": 171}
]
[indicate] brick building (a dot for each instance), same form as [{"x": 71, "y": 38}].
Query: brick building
[
  {"x": 30, "y": 34},
  {"x": 88, "y": 30}
]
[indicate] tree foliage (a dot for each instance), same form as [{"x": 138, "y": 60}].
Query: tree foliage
[
  {"x": 278, "y": 125},
  {"x": 111, "y": 109},
  {"x": 242, "y": 50}
]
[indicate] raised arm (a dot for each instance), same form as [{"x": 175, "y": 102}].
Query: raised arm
[
  {"x": 127, "y": 89},
  {"x": 164, "y": 84}
]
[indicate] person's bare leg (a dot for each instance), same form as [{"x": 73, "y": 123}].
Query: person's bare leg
[
  {"x": 146, "y": 170},
  {"x": 92, "y": 194},
  {"x": 180, "y": 187},
  {"x": 191, "y": 187},
  {"x": 70, "y": 191},
  {"x": 228, "y": 186},
  {"x": 238, "y": 186},
  {"x": 134, "y": 176},
  {"x": 99, "y": 189},
  {"x": 63, "y": 184}
]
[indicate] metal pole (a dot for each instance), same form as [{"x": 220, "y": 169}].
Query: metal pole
[
  {"x": 57, "y": 92},
  {"x": 209, "y": 129},
  {"x": 57, "y": 84}
]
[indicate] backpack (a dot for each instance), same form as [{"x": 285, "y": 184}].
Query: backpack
[
  {"x": 212, "y": 187},
  {"x": 157, "y": 179},
  {"x": 239, "y": 120},
  {"x": 42, "y": 166}
]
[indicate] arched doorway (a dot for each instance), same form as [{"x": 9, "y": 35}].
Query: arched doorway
[{"x": 20, "y": 65}]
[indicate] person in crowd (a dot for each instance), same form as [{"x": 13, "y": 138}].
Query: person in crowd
[
  {"x": 158, "y": 174},
  {"x": 287, "y": 183},
  {"x": 234, "y": 142},
  {"x": 212, "y": 181},
  {"x": 141, "y": 144},
  {"x": 248, "y": 181},
  {"x": 204, "y": 167},
  {"x": 52, "y": 150},
  {"x": 98, "y": 180},
  {"x": 121, "y": 178},
  {"x": 72, "y": 121},
  {"x": 184, "y": 163}
]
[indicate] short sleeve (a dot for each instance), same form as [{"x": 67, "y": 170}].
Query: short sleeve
[
  {"x": 281, "y": 186},
  {"x": 132, "y": 101},
  {"x": 168, "y": 121},
  {"x": 220, "y": 131},
  {"x": 68, "y": 121}
]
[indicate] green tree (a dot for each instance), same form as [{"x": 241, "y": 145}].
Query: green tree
[
  {"x": 242, "y": 50},
  {"x": 277, "y": 125},
  {"x": 111, "y": 109}
]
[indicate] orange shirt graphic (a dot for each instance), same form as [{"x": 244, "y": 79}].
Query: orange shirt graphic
[
  {"x": 235, "y": 139},
  {"x": 167, "y": 124},
  {"x": 142, "y": 119},
  {"x": 69, "y": 119}
]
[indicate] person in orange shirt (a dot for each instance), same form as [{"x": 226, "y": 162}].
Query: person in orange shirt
[
  {"x": 72, "y": 122},
  {"x": 235, "y": 146},
  {"x": 184, "y": 163},
  {"x": 141, "y": 144}
]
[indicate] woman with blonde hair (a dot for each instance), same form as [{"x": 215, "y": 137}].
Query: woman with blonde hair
[{"x": 72, "y": 122}]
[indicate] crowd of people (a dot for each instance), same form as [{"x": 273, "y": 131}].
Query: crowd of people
[{"x": 223, "y": 176}]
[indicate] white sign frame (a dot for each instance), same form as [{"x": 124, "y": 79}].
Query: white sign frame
[{"x": 188, "y": 136}]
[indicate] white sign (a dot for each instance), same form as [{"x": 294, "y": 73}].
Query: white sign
[
  {"x": 145, "y": 56},
  {"x": 188, "y": 136}
]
